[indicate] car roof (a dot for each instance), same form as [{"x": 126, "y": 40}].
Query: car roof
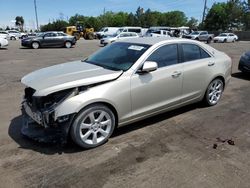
[{"x": 154, "y": 40}]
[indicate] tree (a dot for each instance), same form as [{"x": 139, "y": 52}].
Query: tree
[
  {"x": 57, "y": 25},
  {"x": 19, "y": 22},
  {"x": 192, "y": 23},
  {"x": 225, "y": 16},
  {"x": 174, "y": 19}
]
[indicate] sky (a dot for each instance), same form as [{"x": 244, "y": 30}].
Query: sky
[{"x": 49, "y": 10}]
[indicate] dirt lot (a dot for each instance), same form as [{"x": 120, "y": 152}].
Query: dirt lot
[{"x": 174, "y": 149}]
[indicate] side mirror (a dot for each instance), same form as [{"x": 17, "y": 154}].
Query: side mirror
[{"x": 149, "y": 66}]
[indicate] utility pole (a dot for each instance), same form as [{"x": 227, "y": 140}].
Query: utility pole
[
  {"x": 37, "y": 27},
  {"x": 204, "y": 11}
]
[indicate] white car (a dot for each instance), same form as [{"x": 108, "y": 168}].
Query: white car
[
  {"x": 9, "y": 36},
  {"x": 118, "y": 37},
  {"x": 226, "y": 37},
  {"x": 14, "y": 34},
  {"x": 3, "y": 42}
]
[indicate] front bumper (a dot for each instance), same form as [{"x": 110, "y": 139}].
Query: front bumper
[
  {"x": 53, "y": 133},
  {"x": 244, "y": 65},
  {"x": 26, "y": 43}
]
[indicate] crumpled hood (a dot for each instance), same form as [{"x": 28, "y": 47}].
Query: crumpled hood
[{"x": 67, "y": 75}]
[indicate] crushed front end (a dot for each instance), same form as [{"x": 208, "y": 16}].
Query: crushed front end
[{"x": 39, "y": 121}]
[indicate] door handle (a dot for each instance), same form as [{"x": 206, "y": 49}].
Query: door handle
[
  {"x": 211, "y": 63},
  {"x": 176, "y": 74}
]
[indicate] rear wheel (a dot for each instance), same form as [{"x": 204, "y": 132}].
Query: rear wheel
[
  {"x": 90, "y": 36},
  {"x": 214, "y": 92},
  {"x": 93, "y": 126},
  {"x": 12, "y": 38},
  {"x": 35, "y": 45},
  {"x": 77, "y": 36},
  {"x": 68, "y": 44}
]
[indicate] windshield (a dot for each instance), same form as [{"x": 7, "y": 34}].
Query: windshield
[
  {"x": 40, "y": 34},
  {"x": 223, "y": 35},
  {"x": 102, "y": 29},
  {"x": 119, "y": 31},
  {"x": 195, "y": 33},
  {"x": 118, "y": 56}
]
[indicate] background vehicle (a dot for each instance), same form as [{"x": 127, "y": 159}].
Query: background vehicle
[
  {"x": 244, "y": 64},
  {"x": 3, "y": 42},
  {"x": 116, "y": 37},
  {"x": 160, "y": 33},
  {"x": 226, "y": 37},
  {"x": 17, "y": 34},
  {"x": 155, "y": 28},
  {"x": 122, "y": 83},
  {"x": 140, "y": 31},
  {"x": 49, "y": 39},
  {"x": 79, "y": 31},
  {"x": 200, "y": 36},
  {"x": 106, "y": 31},
  {"x": 9, "y": 36}
]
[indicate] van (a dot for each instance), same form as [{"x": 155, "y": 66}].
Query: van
[
  {"x": 106, "y": 31},
  {"x": 140, "y": 31}
]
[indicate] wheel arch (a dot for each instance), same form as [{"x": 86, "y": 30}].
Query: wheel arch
[{"x": 107, "y": 104}]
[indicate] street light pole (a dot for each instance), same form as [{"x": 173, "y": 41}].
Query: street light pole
[
  {"x": 36, "y": 15},
  {"x": 204, "y": 11}
]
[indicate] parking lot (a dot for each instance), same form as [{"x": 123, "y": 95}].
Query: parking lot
[{"x": 174, "y": 149}]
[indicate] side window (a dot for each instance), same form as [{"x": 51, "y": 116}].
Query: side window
[
  {"x": 193, "y": 52},
  {"x": 231, "y": 35},
  {"x": 204, "y": 54},
  {"x": 135, "y": 30},
  {"x": 190, "y": 52},
  {"x": 165, "y": 55}
]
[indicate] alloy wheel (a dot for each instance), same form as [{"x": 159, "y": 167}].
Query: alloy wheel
[
  {"x": 215, "y": 91},
  {"x": 95, "y": 127}
]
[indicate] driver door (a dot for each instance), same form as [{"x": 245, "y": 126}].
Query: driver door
[
  {"x": 159, "y": 89},
  {"x": 49, "y": 39}
]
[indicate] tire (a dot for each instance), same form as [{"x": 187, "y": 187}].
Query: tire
[
  {"x": 209, "y": 40},
  {"x": 225, "y": 40},
  {"x": 68, "y": 44},
  {"x": 234, "y": 41},
  {"x": 77, "y": 36},
  {"x": 12, "y": 38},
  {"x": 214, "y": 92},
  {"x": 93, "y": 126},
  {"x": 35, "y": 45},
  {"x": 90, "y": 36}
]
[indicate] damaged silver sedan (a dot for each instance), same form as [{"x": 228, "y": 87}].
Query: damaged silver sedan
[{"x": 122, "y": 83}]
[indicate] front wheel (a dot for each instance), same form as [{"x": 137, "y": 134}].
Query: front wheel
[
  {"x": 68, "y": 44},
  {"x": 93, "y": 126},
  {"x": 214, "y": 92},
  {"x": 12, "y": 38},
  {"x": 35, "y": 45}
]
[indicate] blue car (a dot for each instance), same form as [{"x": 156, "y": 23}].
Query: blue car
[{"x": 244, "y": 64}]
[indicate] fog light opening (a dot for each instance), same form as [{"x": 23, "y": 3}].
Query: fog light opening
[{"x": 63, "y": 118}]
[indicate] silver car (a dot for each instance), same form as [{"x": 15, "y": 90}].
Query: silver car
[{"x": 122, "y": 83}]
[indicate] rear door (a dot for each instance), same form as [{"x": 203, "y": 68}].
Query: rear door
[
  {"x": 159, "y": 89},
  {"x": 197, "y": 67}
]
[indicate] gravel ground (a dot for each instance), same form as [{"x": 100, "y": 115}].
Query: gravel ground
[{"x": 174, "y": 149}]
